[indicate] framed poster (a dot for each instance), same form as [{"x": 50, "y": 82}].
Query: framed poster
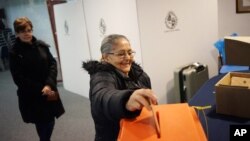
[{"x": 242, "y": 6}]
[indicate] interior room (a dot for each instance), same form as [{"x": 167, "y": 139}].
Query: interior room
[{"x": 166, "y": 35}]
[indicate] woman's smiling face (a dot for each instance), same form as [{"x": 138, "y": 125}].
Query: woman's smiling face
[{"x": 121, "y": 55}]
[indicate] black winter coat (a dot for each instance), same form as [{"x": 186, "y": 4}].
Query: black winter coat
[
  {"x": 109, "y": 92},
  {"x": 32, "y": 67}
]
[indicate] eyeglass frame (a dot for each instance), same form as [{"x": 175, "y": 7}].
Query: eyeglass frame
[
  {"x": 123, "y": 54},
  {"x": 26, "y": 31}
]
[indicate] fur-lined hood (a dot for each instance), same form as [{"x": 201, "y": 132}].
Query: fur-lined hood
[{"x": 93, "y": 67}]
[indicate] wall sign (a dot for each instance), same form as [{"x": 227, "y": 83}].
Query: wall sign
[
  {"x": 171, "y": 21},
  {"x": 102, "y": 27},
  {"x": 66, "y": 27}
]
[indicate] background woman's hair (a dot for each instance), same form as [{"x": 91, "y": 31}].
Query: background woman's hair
[
  {"x": 21, "y": 23},
  {"x": 109, "y": 41}
]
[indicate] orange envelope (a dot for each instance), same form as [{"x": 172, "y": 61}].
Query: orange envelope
[{"x": 178, "y": 122}]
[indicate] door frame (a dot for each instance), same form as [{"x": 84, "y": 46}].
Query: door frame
[{"x": 50, "y": 6}]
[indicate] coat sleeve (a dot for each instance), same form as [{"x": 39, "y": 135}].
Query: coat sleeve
[
  {"x": 51, "y": 80},
  {"x": 107, "y": 100}
]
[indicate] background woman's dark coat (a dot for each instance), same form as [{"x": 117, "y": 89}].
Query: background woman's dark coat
[
  {"x": 32, "y": 67},
  {"x": 109, "y": 92}
]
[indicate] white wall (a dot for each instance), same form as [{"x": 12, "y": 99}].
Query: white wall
[
  {"x": 120, "y": 17},
  {"x": 163, "y": 52},
  {"x": 73, "y": 46},
  {"x": 230, "y": 21},
  {"x": 84, "y": 38}
]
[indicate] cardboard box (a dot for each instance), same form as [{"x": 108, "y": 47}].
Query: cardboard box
[
  {"x": 233, "y": 95},
  {"x": 237, "y": 50}
]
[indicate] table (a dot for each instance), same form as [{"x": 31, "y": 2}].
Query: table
[{"x": 218, "y": 124}]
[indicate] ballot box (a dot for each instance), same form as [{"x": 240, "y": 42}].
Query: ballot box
[{"x": 178, "y": 122}]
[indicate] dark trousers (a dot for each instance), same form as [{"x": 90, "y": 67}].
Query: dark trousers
[{"x": 45, "y": 130}]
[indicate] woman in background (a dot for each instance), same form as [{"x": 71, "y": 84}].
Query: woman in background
[
  {"x": 34, "y": 71},
  {"x": 119, "y": 88}
]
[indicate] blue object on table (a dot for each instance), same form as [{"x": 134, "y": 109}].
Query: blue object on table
[
  {"x": 230, "y": 68},
  {"x": 220, "y": 45}
]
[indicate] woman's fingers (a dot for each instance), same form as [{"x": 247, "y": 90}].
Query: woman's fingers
[
  {"x": 140, "y": 98},
  {"x": 47, "y": 90},
  {"x": 143, "y": 101}
]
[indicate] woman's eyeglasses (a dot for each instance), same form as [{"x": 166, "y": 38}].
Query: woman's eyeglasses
[
  {"x": 123, "y": 54},
  {"x": 26, "y": 31}
]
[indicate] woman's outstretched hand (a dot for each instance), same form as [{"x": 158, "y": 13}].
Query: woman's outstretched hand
[{"x": 140, "y": 98}]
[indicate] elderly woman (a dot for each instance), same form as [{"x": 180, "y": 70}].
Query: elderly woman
[
  {"x": 34, "y": 71},
  {"x": 119, "y": 88}
]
